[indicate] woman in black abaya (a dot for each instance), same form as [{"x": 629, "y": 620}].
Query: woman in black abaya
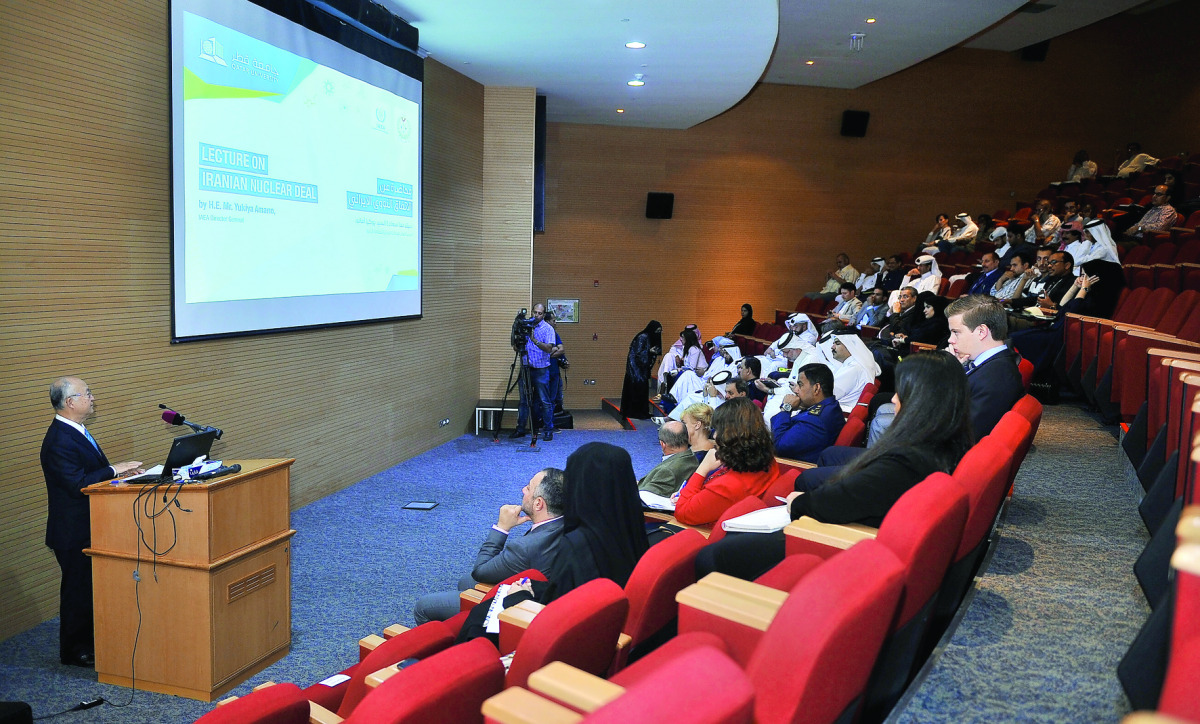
[{"x": 643, "y": 350}]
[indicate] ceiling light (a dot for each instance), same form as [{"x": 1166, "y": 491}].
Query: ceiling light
[
  {"x": 620, "y": 110},
  {"x": 870, "y": 20},
  {"x": 809, "y": 62},
  {"x": 635, "y": 44},
  {"x": 637, "y": 81}
]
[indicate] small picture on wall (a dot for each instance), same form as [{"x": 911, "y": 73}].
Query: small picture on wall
[{"x": 565, "y": 310}]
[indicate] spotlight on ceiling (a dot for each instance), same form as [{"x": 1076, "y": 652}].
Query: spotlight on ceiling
[
  {"x": 635, "y": 44},
  {"x": 637, "y": 81}
]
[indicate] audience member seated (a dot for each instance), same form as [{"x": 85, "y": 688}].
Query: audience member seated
[
  {"x": 697, "y": 419},
  {"x": 1062, "y": 266},
  {"x": 746, "y": 325},
  {"x": 842, "y": 314},
  {"x": 904, "y": 315},
  {"x": 893, "y": 274},
  {"x": 961, "y": 238},
  {"x": 930, "y": 327},
  {"x": 927, "y": 277},
  {"x": 809, "y": 419},
  {"x": 1011, "y": 284},
  {"x": 675, "y": 358},
  {"x": 871, "y": 278},
  {"x": 501, "y": 556},
  {"x": 1160, "y": 217},
  {"x": 1081, "y": 168},
  {"x": 940, "y": 232},
  {"x": 1097, "y": 243},
  {"x": 978, "y": 332},
  {"x": 691, "y": 357},
  {"x": 714, "y": 394},
  {"x": 742, "y": 464},
  {"x": 1070, "y": 220},
  {"x": 874, "y": 311},
  {"x": 1043, "y": 224},
  {"x": 1135, "y": 161},
  {"x": 603, "y": 533},
  {"x": 678, "y": 462},
  {"x": 931, "y": 433},
  {"x": 983, "y": 284},
  {"x": 725, "y": 359},
  {"x": 799, "y": 335},
  {"x": 842, "y": 273},
  {"x": 749, "y": 371}
]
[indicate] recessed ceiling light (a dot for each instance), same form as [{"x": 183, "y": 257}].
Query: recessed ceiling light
[
  {"x": 870, "y": 20},
  {"x": 635, "y": 44},
  {"x": 620, "y": 110},
  {"x": 809, "y": 62},
  {"x": 636, "y": 83}
]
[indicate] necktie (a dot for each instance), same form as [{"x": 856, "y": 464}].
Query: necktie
[
  {"x": 970, "y": 366},
  {"x": 91, "y": 439}
]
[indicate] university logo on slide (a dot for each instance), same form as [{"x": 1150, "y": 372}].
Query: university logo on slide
[
  {"x": 212, "y": 51},
  {"x": 404, "y": 128}
]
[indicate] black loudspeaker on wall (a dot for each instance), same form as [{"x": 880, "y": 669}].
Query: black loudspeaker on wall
[
  {"x": 854, "y": 123},
  {"x": 659, "y": 205}
]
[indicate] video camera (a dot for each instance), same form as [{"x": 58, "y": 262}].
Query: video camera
[{"x": 521, "y": 327}]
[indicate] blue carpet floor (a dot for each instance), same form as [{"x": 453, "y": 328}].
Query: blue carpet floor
[{"x": 1040, "y": 642}]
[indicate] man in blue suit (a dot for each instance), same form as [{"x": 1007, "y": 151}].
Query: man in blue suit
[
  {"x": 71, "y": 461},
  {"x": 987, "y": 279},
  {"x": 504, "y": 554}
]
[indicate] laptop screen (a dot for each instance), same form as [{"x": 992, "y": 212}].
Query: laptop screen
[{"x": 186, "y": 448}]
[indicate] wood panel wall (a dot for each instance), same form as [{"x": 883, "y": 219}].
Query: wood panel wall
[
  {"x": 767, "y": 193},
  {"x": 84, "y": 269},
  {"x": 507, "y": 229}
]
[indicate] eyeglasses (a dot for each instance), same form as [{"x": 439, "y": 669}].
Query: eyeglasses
[{"x": 87, "y": 394}]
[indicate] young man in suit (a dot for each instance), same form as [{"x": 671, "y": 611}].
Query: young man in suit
[
  {"x": 978, "y": 330},
  {"x": 71, "y": 461},
  {"x": 501, "y": 555}
]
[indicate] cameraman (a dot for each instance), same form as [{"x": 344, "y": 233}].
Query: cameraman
[
  {"x": 536, "y": 361},
  {"x": 558, "y": 363}
]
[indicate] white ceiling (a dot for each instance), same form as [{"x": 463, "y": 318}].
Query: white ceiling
[{"x": 703, "y": 56}]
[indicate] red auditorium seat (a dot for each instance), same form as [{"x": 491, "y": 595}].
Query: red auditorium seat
[
  {"x": 1189, "y": 276},
  {"x": 1076, "y": 324},
  {"x": 804, "y": 304},
  {"x": 1026, "y": 368},
  {"x": 1164, "y": 253},
  {"x": 1184, "y": 306},
  {"x": 1138, "y": 276},
  {"x": 1178, "y": 697},
  {"x": 815, "y": 658},
  {"x": 663, "y": 571},
  {"x": 784, "y": 484},
  {"x": 1134, "y": 366},
  {"x": 923, "y": 529},
  {"x": 983, "y": 473},
  {"x": 1096, "y": 364},
  {"x": 956, "y": 288},
  {"x": 1189, "y": 252},
  {"x": 1139, "y": 254},
  {"x": 448, "y": 686},
  {"x": 1167, "y": 276},
  {"x": 853, "y": 434}
]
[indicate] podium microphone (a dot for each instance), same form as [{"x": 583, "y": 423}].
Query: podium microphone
[{"x": 172, "y": 417}]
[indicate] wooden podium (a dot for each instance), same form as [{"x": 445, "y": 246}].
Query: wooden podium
[{"x": 221, "y": 607}]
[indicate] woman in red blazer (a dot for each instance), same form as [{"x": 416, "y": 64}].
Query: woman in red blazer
[{"x": 742, "y": 464}]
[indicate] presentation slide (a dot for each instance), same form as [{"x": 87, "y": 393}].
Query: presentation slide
[{"x": 296, "y": 178}]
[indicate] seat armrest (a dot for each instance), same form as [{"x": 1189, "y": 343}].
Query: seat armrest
[
  {"x": 513, "y": 622},
  {"x": 662, "y": 516},
  {"x": 1188, "y": 528},
  {"x": 808, "y": 535},
  {"x": 573, "y": 687},
  {"x": 367, "y": 644},
  {"x": 766, "y": 595},
  {"x": 738, "y": 618},
  {"x": 374, "y": 679},
  {"x": 394, "y": 630},
  {"x": 469, "y": 598},
  {"x": 318, "y": 714},
  {"x": 515, "y": 705},
  {"x": 484, "y": 588},
  {"x": 1150, "y": 717},
  {"x": 795, "y": 463}
]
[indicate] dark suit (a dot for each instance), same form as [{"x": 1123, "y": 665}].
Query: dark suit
[
  {"x": 995, "y": 388},
  {"x": 70, "y": 463},
  {"x": 501, "y": 556}
]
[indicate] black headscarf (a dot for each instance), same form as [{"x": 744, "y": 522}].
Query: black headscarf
[
  {"x": 604, "y": 533},
  {"x": 746, "y": 325},
  {"x": 935, "y": 331}
]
